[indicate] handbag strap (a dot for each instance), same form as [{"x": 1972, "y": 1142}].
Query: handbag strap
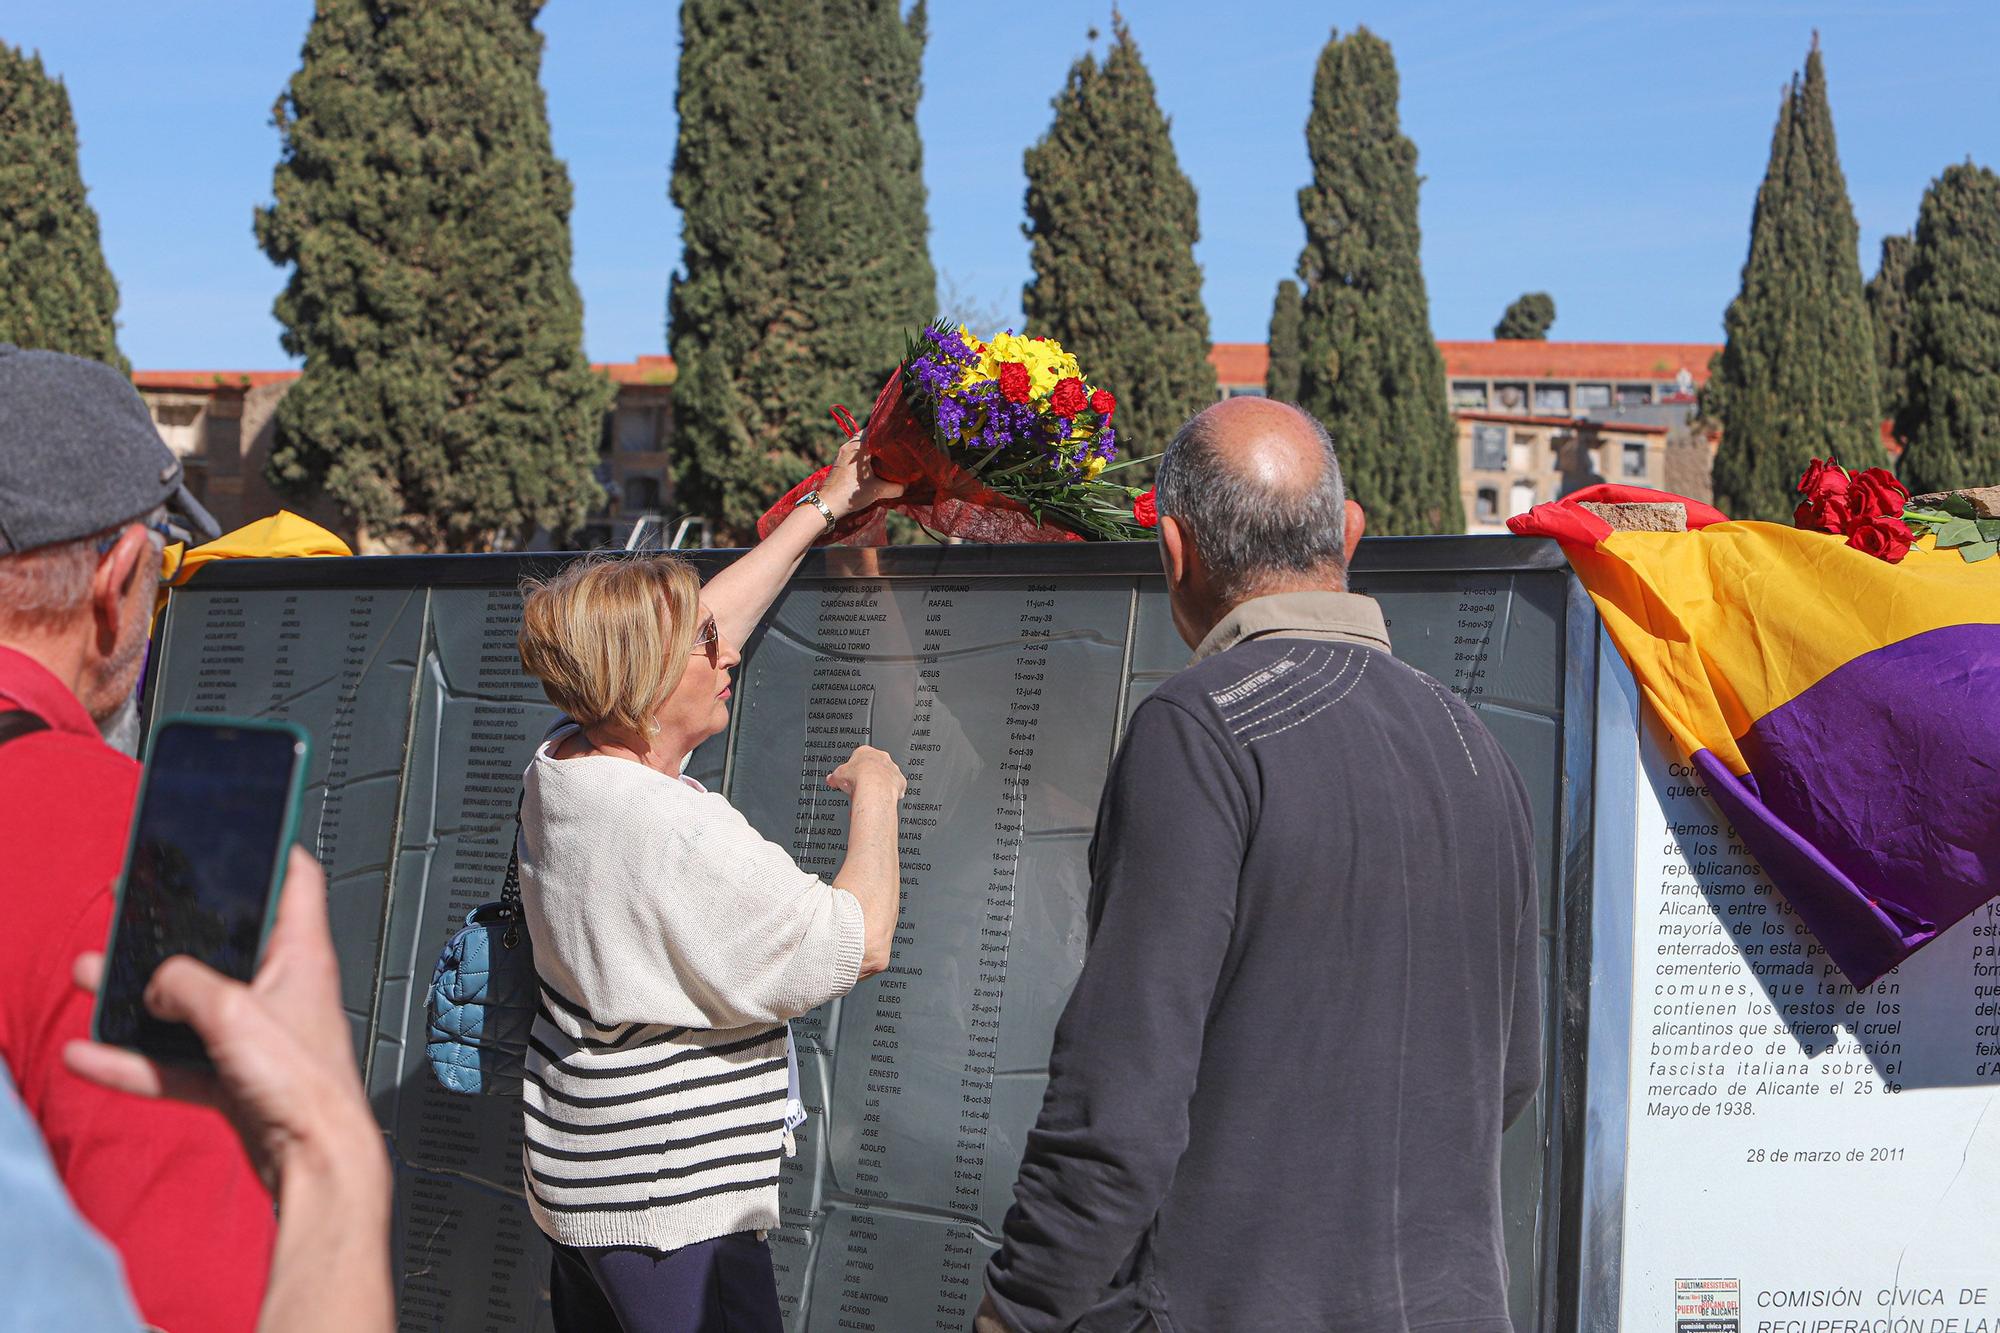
[
  {"x": 510, "y": 888},
  {"x": 19, "y": 722}
]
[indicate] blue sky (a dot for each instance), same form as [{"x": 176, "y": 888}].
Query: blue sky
[{"x": 1607, "y": 153}]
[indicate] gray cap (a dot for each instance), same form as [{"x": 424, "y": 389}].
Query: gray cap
[{"x": 79, "y": 454}]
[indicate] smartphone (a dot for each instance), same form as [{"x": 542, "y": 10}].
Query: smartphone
[{"x": 218, "y": 809}]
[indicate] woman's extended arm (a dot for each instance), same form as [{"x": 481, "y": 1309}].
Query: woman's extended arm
[
  {"x": 739, "y": 596},
  {"x": 873, "y": 870}
]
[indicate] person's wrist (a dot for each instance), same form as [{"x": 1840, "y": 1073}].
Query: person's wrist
[
  {"x": 820, "y": 507},
  {"x": 337, "y": 1154},
  {"x": 879, "y": 786},
  {"x": 838, "y": 498}
]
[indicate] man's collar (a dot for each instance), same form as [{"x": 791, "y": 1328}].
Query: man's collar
[
  {"x": 26, "y": 683},
  {"x": 1304, "y": 615}
]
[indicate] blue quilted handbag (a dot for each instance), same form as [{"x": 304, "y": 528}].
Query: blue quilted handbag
[{"x": 483, "y": 995}]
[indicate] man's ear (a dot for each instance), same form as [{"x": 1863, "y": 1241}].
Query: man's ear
[
  {"x": 130, "y": 557},
  {"x": 1173, "y": 550},
  {"x": 1356, "y": 523}
]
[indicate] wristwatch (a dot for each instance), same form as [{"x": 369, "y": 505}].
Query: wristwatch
[{"x": 825, "y": 511}]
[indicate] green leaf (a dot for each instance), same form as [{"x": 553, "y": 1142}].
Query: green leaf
[
  {"x": 1958, "y": 506},
  {"x": 1974, "y": 552},
  {"x": 1958, "y": 532},
  {"x": 1989, "y": 528}
]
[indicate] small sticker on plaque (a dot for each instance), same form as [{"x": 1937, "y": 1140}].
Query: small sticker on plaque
[{"x": 1707, "y": 1305}]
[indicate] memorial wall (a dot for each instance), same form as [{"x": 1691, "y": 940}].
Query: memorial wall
[{"x": 1000, "y": 679}]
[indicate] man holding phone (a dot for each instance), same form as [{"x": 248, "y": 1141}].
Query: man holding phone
[{"x": 88, "y": 494}]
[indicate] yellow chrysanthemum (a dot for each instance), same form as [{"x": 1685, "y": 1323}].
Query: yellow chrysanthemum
[
  {"x": 1094, "y": 466},
  {"x": 1048, "y": 364}
]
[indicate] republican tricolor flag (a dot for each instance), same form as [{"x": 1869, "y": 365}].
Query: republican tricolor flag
[{"x": 1843, "y": 712}]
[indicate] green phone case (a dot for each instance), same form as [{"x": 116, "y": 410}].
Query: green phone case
[{"x": 294, "y": 800}]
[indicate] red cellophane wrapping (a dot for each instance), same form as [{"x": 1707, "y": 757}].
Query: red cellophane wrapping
[{"x": 938, "y": 493}]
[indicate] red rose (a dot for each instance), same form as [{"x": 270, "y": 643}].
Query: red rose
[
  {"x": 1822, "y": 478},
  {"x": 1103, "y": 403},
  {"x": 1014, "y": 381},
  {"x": 1876, "y": 492},
  {"x": 1146, "y": 509},
  {"x": 1069, "y": 398},
  {"x": 1830, "y": 513},
  {"x": 1884, "y": 536}
]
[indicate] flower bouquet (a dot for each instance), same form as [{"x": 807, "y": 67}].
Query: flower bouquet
[
  {"x": 999, "y": 440},
  {"x": 1876, "y": 515},
  {"x": 1864, "y": 507}
]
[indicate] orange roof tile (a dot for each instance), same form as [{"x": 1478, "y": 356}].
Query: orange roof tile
[
  {"x": 1576, "y": 361},
  {"x": 1236, "y": 364},
  {"x": 167, "y": 381},
  {"x": 1245, "y": 363},
  {"x": 644, "y": 370},
  {"x": 1566, "y": 423},
  {"x": 1239, "y": 363},
  {"x": 641, "y": 371}
]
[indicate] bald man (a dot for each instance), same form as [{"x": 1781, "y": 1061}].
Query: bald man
[{"x": 1311, "y": 1000}]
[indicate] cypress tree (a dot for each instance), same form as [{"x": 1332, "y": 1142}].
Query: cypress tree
[
  {"x": 445, "y": 400},
  {"x": 1889, "y": 320},
  {"x": 1950, "y": 422},
  {"x": 1281, "y": 375},
  {"x": 1111, "y": 226},
  {"x": 1369, "y": 367},
  {"x": 805, "y": 259},
  {"x": 1796, "y": 378},
  {"x": 56, "y": 291},
  {"x": 1528, "y": 319}
]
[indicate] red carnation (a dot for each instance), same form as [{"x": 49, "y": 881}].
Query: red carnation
[
  {"x": 1069, "y": 397},
  {"x": 1102, "y": 403},
  {"x": 1884, "y": 536},
  {"x": 1145, "y": 509},
  {"x": 1014, "y": 381},
  {"x": 1822, "y": 478},
  {"x": 1876, "y": 492}
]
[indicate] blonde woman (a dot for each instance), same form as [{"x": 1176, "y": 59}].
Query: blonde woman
[{"x": 673, "y": 942}]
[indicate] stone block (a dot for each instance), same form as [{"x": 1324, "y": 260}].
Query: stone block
[
  {"x": 1646, "y": 517},
  {"x": 1985, "y": 499}
]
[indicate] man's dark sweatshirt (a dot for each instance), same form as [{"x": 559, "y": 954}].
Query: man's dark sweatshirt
[{"x": 1310, "y": 1005}]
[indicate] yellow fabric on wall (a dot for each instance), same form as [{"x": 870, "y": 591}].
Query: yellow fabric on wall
[{"x": 282, "y": 534}]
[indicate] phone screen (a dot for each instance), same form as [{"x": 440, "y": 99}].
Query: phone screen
[{"x": 208, "y": 842}]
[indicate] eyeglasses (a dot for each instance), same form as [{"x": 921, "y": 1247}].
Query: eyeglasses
[
  {"x": 708, "y": 638},
  {"x": 173, "y": 548}
]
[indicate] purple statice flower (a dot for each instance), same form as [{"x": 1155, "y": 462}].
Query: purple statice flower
[
  {"x": 1017, "y": 421},
  {"x": 938, "y": 368},
  {"x": 950, "y": 417},
  {"x": 934, "y": 377}
]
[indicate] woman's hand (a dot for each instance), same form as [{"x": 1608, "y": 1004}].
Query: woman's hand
[
  {"x": 739, "y": 596},
  {"x": 868, "y": 770},
  {"x": 852, "y": 485}
]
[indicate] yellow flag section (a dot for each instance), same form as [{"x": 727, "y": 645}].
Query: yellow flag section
[{"x": 1724, "y": 624}]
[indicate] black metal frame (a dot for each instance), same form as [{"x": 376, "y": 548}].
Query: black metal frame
[{"x": 1401, "y": 555}]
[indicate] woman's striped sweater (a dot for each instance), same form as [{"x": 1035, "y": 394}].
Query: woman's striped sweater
[{"x": 673, "y": 942}]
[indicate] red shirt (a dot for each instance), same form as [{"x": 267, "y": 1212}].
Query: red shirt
[{"x": 167, "y": 1184}]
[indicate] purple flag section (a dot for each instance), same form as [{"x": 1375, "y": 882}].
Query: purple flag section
[{"x": 1873, "y": 798}]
